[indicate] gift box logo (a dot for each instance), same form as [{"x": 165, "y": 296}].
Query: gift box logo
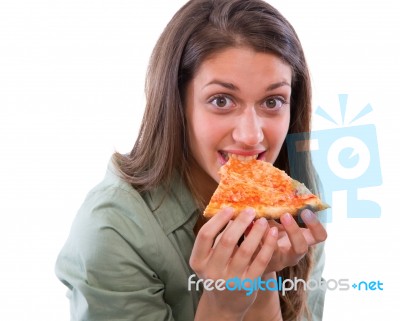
[{"x": 346, "y": 158}]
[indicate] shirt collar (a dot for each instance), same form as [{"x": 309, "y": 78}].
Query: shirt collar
[{"x": 173, "y": 206}]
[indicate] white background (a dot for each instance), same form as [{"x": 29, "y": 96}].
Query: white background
[{"x": 71, "y": 92}]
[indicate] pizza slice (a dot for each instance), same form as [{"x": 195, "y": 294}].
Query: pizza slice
[{"x": 260, "y": 185}]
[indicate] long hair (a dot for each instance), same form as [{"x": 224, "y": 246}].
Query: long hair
[{"x": 199, "y": 29}]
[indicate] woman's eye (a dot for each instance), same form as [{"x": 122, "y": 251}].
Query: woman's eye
[
  {"x": 275, "y": 103},
  {"x": 221, "y": 101}
]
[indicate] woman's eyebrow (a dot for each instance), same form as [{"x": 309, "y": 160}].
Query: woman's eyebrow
[
  {"x": 278, "y": 84},
  {"x": 231, "y": 86},
  {"x": 227, "y": 85}
]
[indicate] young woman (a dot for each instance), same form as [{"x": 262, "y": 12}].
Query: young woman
[{"x": 226, "y": 77}]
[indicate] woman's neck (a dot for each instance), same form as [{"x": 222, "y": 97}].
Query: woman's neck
[{"x": 203, "y": 185}]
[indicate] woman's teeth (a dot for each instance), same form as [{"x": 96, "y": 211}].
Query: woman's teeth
[{"x": 239, "y": 157}]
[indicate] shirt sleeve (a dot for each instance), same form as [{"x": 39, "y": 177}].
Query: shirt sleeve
[
  {"x": 107, "y": 277},
  {"x": 316, "y": 297}
]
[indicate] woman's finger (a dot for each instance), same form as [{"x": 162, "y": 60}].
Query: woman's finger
[
  {"x": 223, "y": 251},
  {"x": 316, "y": 229},
  {"x": 206, "y": 237},
  {"x": 263, "y": 258},
  {"x": 295, "y": 234},
  {"x": 220, "y": 234},
  {"x": 247, "y": 250}
]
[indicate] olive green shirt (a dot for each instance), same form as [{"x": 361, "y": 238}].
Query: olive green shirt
[{"x": 127, "y": 255}]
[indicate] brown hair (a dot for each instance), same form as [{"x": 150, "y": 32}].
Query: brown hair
[{"x": 198, "y": 29}]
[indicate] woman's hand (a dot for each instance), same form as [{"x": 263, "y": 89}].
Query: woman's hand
[
  {"x": 217, "y": 255},
  {"x": 294, "y": 241}
]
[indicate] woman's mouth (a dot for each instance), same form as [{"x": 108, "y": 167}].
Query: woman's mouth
[{"x": 244, "y": 157}]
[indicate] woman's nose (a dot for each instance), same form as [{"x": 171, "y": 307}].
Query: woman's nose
[{"x": 248, "y": 128}]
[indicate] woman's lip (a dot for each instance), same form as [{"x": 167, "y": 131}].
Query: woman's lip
[
  {"x": 223, "y": 154},
  {"x": 261, "y": 155},
  {"x": 221, "y": 158},
  {"x": 243, "y": 152}
]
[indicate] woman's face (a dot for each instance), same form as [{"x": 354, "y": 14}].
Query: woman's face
[{"x": 238, "y": 104}]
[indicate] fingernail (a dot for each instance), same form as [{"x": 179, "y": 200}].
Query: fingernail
[
  {"x": 274, "y": 231},
  {"x": 286, "y": 219},
  {"x": 250, "y": 212},
  {"x": 228, "y": 210},
  {"x": 262, "y": 221},
  {"x": 308, "y": 216}
]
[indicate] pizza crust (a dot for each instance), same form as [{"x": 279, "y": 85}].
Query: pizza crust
[{"x": 269, "y": 212}]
